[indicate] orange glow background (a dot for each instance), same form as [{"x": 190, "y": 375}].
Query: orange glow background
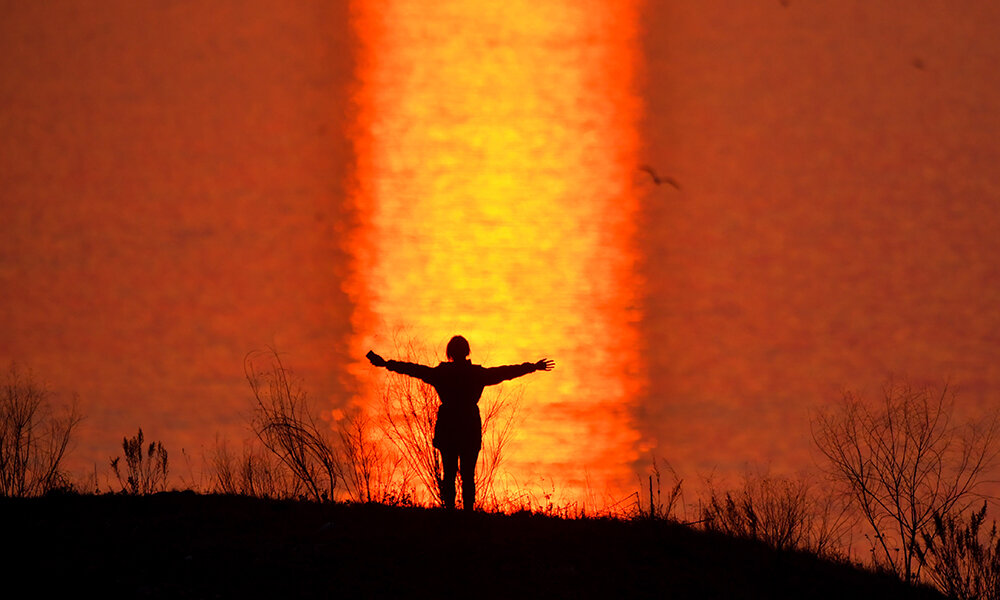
[{"x": 182, "y": 184}]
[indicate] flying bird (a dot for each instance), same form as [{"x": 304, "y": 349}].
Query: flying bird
[{"x": 659, "y": 180}]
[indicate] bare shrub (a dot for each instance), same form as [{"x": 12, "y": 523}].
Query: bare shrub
[
  {"x": 33, "y": 438},
  {"x": 143, "y": 473},
  {"x": 372, "y": 471},
  {"x": 903, "y": 460},
  {"x": 224, "y": 467},
  {"x": 500, "y": 408},
  {"x": 254, "y": 472},
  {"x": 782, "y": 512},
  {"x": 658, "y": 505},
  {"x": 833, "y": 523},
  {"x": 189, "y": 479},
  {"x": 285, "y": 425},
  {"x": 964, "y": 559},
  {"x": 408, "y": 413}
]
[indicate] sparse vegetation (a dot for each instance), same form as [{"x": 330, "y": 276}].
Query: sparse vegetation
[
  {"x": 372, "y": 473},
  {"x": 785, "y": 513},
  {"x": 33, "y": 437},
  {"x": 142, "y": 473},
  {"x": 408, "y": 412},
  {"x": 963, "y": 558},
  {"x": 658, "y": 505},
  {"x": 904, "y": 461},
  {"x": 288, "y": 428},
  {"x": 255, "y": 472}
]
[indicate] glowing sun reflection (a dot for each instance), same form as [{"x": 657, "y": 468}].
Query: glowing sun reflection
[{"x": 496, "y": 155}]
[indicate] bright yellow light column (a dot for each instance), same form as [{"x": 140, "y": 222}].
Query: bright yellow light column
[{"x": 496, "y": 159}]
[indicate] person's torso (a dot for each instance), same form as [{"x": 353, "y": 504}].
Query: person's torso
[{"x": 459, "y": 384}]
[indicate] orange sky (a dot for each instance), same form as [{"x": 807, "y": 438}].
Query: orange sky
[{"x": 177, "y": 189}]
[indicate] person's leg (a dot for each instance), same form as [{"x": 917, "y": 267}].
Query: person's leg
[
  {"x": 469, "y": 459},
  {"x": 449, "y": 467}
]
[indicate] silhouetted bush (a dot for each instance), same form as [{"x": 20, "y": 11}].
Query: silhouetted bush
[
  {"x": 963, "y": 559},
  {"x": 285, "y": 425},
  {"x": 371, "y": 470},
  {"x": 658, "y": 506},
  {"x": 255, "y": 472},
  {"x": 33, "y": 438},
  {"x": 143, "y": 473},
  {"x": 782, "y": 512},
  {"x": 903, "y": 461}
]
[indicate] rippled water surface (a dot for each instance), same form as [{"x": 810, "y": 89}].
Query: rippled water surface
[
  {"x": 496, "y": 152},
  {"x": 182, "y": 185}
]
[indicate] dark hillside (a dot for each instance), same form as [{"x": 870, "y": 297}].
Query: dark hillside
[{"x": 186, "y": 545}]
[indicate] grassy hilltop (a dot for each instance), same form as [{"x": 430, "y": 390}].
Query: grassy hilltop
[{"x": 181, "y": 544}]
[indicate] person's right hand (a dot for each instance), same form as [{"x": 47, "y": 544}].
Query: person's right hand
[
  {"x": 546, "y": 364},
  {"x": 375, "y": 359}
]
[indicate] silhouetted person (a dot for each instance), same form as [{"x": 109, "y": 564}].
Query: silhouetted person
[{"x": 458, "y": 433}]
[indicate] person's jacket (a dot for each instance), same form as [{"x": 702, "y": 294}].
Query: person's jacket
[{"x": 459, "y": 384}]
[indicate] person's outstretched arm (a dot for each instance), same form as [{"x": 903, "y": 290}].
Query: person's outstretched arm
[
  {"x": 495, "y": 375},
  {"x": 421, "y": 372}
]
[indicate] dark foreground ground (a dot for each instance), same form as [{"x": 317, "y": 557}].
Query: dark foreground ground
[{"x": 179, "y": 545}]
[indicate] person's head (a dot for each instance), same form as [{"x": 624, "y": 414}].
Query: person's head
[{"x": 458, "y": 349}]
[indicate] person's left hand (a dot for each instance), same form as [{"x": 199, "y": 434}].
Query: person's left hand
[{"x": 546, "y": 364}]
